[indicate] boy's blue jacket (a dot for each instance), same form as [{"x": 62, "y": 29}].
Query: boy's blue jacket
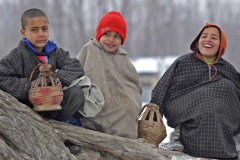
[
  {"x": 48, "y": 48},
  {"x": 16, "y": 67}
]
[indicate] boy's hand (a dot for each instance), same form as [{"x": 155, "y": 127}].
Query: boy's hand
[
  {"x": 57, "y": 82},
  {"x": 33, "y": 83}
]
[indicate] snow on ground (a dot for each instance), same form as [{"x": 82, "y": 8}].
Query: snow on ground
[{"x": 168, "y": 130}]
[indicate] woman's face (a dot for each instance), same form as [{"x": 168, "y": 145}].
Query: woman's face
[{"x": 209, "y": 42}]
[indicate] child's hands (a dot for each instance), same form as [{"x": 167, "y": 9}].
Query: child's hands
[
  {"x": 34, "y": 83},
  {"x": 57, "y": 82}
]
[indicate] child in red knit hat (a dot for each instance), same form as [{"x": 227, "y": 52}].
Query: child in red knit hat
[{"x": 108, "y": 66}]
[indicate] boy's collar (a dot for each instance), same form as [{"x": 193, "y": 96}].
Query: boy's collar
[
  {"x": 97, "y": 43},
  {"x": 48, "y": 48}
]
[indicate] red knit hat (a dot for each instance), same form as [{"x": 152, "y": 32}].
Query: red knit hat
[{"x": 112, "y": 21}]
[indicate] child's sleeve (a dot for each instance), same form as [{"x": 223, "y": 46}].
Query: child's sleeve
[
  {"x": 82, "y": 56},
  {"x": 69, "y": 69},
  {"x": 160, "y": 90},
  {"x": 139, "y": 85},
  {"x": 11, "y": 81}
]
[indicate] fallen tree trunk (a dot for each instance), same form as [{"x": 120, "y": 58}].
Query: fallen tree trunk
[
  {"x": 25, "y": 135},
  {"x": 121, "y": 147}
]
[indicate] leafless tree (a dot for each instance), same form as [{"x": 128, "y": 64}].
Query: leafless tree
[{"x": 155, "y": 27}]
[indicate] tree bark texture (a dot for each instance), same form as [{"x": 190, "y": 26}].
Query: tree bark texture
[
  {"x": 26, "y": 135},
  {"x": 121, "y": 147}
]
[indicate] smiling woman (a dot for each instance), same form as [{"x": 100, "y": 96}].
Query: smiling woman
[
  {"x": 209, "y": 42},
  {"x": 199, "y": 96}
]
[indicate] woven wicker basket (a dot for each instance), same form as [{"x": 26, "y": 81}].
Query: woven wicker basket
[
  {"x": 153, "y": 131},
  {"x": 44, "y": 96}
]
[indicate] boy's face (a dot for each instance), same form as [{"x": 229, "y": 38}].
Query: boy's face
[
  {"x": 36, "y": 32},
  {"x": 209, "y": 42},
  {"x": 111, "y": 41}
]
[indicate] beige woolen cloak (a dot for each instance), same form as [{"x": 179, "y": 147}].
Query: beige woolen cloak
[{"x": 118, "y": 81}]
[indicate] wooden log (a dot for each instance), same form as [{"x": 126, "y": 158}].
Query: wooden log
[
  {"x": 121, "y": 147},
  {"x": 25, "y": 135}
]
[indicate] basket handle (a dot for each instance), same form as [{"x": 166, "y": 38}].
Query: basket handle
[
  {"x": 143, "y": 109},
  {"x": 159, "y": 117},
  {"x": 146, "y": 105},
  {"x": 46, "y": 70},
  {"x": 34, "y": 71},
  {"x": 42, "y": 75},
  {"x": 151, "y": 108}
]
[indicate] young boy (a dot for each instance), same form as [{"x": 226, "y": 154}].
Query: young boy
[
  {"x": 35, "y": 48},
  {"x": 109, "y": 67}
]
